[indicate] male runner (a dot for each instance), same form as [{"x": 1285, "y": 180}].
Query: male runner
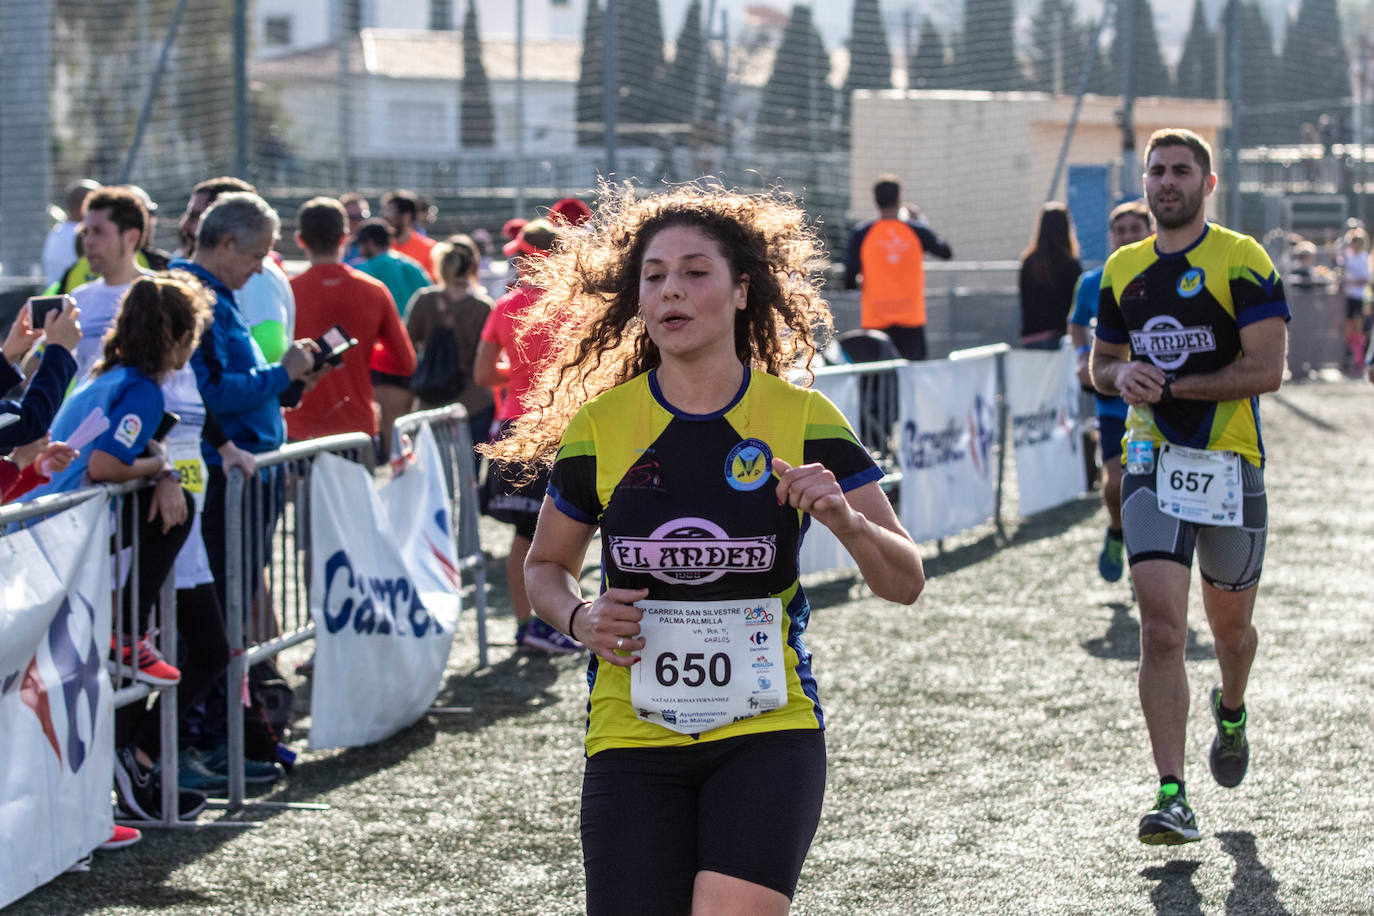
[
  {"x": 1128, "y": 223},
  {"x": 1193, "y": 326}
]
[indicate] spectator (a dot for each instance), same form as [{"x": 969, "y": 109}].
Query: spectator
[
  {"x": 570, "y": 212},
  {"x": 331, "y": 293},
  {"x": 265, "y": 301},
  {"x": 355, "y": 205},
  {"x": 403, "y": 278},
  {"x": 24, "y": 424},
  {"x": 506, "y": 499},
  {"x": 448, "y": 318},
  {"x": 156, "y": 330},
  {"x": 59, "y": 248},
  {"x": 402, "y": 209},
  {"x": 1049, "y": 272},
  {"x": 157, "y": 259},
  {"x": 886, "y": 261},
  {"x": 113, "y": 227},
  {"x": 234, "y": 379}
]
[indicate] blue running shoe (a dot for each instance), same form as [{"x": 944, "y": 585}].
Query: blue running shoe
[{"x": 1110, "y": 562}]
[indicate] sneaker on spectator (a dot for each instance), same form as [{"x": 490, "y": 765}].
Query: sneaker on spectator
[
  {"x": 543, "y": 638},
  {"x": 255, "y": 772},
  {"x": 139, "y": 790},
  {"x": 152, "y": 667},
  {"x": 194, "y": 773},
  {"x": 122, "y": 836}
]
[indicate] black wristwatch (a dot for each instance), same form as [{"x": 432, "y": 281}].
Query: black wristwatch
[{"x": 1166, "y": 393}]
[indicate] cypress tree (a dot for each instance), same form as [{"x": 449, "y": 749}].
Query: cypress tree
[
  {"x": 1197, "y": 63},
  {"x": 1151, "y": 76},
  {"x": 1061, "y": 46},
  {"x": 928, "y": 67},
  {"x": 1315, "y": 70},
  {"x": 643, "y": 71},
  {"x": 797, "y": 99},
  {"x": 986, "y": 58},
  {"x": 870, "y": 58},
  {"x": 681, "y": 93},
  {"x": 477, "y": 118},
  {"x": 590, "y": 81}
]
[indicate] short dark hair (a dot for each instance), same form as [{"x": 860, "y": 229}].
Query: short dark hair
[
  {"x": 1180, "y": 136},
  {"x": 224, "y": 184},
  {"x": 125, "y": 210},
  {"x": 1137, "y": 207},
  {"x": 322, "y": 223},
  {"x": 887, "y": 192},
  {"x": 405, "y": 201},
  {"x": 374, "y": 231}
]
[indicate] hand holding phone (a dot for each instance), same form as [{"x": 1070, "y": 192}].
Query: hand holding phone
[
  {"x": 333, "y": 344},
  {"x": 41, "y": 306}
]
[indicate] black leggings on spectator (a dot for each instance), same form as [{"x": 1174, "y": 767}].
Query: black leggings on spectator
[
  {"x": 204, "y": 657},
  {"x": 157, "y": 554}
]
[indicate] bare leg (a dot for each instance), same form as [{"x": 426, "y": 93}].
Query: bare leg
[
  {"x": 1161, "y": 588},
  {"x": 1111, "y": 492},
  {"x": 393, "y": 401},
  {"x": 715, "y": 894},
  {"x": 1229, "y": 614},
  {"x": 515, "y": 575}
]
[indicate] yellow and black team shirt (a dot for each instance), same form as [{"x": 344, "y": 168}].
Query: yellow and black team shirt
[
  {"x": 1183, "y": 312},
  {"x": 687, "y": 508}
]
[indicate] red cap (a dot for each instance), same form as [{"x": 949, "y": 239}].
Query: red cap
[
  {"x": 537, "y": 237},
  {"x": 512, "y": 227},
  {"x": 571, "y": 211}
]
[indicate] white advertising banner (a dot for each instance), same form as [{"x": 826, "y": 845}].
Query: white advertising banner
[
  {"x": 1042, "y": 398},
  {"x": 821, "y": 550},
  {"x": 56, "y": 702},
  {"x": 382, "y": 597},
  {"x": 948, "y": 443}
]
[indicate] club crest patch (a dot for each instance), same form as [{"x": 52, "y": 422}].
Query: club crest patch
[
  {"x": 1192, "y": 282},
  {"x": 749, "y": 465},
  {"x": 126, "y": 433}
]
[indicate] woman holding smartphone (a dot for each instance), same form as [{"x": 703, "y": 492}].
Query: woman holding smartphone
[{"x": 671, "y": 428}]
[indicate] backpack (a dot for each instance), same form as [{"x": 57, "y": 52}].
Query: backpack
[{"x": 438, "y": 379}]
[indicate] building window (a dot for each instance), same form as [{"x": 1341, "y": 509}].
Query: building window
[{"x": 276, "y": 31}]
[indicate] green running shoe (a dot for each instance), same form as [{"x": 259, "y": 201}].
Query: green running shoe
[
  {"x": 1230, "y": 755},
  {"x": 1110, "y": 562},
  {"x": 1171, "y": 822}
]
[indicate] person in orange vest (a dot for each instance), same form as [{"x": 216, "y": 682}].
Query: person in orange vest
[{"x": 886, "y": 261}]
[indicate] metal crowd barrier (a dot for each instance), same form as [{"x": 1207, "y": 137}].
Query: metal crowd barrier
[
  {"x": 127, "y": 690},
  {"x": 267, "y": 586},
  {"x": 454, "y": 438}
]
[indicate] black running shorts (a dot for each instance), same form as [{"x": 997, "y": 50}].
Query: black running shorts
[
  {"x": 652, "y": 818},
  {"x": 1229, "y": 558}
]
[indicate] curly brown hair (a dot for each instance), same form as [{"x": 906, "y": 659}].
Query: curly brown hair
[
  {"x": 591, "y": 299},
  {"x": 154, "y": 316}
]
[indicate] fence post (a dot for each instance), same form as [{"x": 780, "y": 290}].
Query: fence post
[{"x": 235, "y": 485}]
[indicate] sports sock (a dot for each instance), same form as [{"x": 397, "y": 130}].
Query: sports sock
[
  {"x": 1174, "y": 780},
  {"x": 1114, "y": 533},
  {"x": 1232, "y": 715}
]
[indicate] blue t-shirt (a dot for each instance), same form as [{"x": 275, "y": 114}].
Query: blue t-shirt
[
  {"x": 133, "y": 404},
  {"x": 1085, "y": 296}
]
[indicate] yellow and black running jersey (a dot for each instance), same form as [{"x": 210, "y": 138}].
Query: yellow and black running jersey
[
  {"x": 1183, "y": 312},
  {"x": 687, "y": 508}
]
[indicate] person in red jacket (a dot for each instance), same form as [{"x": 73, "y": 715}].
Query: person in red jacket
[{"x": 330, "y": 293}]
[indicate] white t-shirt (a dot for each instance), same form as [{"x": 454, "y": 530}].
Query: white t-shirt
[
  {"x": 267, "y": 297},
  {"x": 181, "y": 397},
  {"x": 59, "y": 250},
  {"x": 99, "y": 304},
  {"x": 1356, "y": 273}
]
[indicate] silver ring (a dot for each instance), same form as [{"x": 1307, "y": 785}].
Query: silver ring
[{"x": 620, "y": 642}]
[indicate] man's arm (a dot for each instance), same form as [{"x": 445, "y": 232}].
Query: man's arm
[
  {"x": 931, "y": 242},
  {"x": 396, "y": 343},
  {"x": 1257, "y": 370},
  {"x": 229, "y": 391},
  {"x": 853, "y": 264}
]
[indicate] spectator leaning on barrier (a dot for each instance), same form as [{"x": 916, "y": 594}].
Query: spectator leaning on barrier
[
  {"x": 237, "y": 384},
  {"x": 331, "y": 293},
  {"x": 1129, "y": 223},
  {"x": 265, "y": 301},
  {"x": 885, "y": 260},
  {"x": 1049, "y": 271},
  {"x": 24, "y": 425},
  {"x": 1191, "y": 329},
  {"x": 401, "y": 210}
]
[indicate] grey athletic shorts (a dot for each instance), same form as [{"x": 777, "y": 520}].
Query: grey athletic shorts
[{"x": 1229, "y": 558}]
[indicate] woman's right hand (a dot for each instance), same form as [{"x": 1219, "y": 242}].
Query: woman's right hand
[
  {"x": 609, "y": 626},
  {"x": 63, "y": 328}
]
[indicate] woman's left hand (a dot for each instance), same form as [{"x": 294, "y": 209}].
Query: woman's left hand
[
  {"x": 169, "y": 502},
  {"x": 814, "y": 490}
]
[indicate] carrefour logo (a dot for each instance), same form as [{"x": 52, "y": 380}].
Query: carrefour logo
[
  {"x": 926, "y": 449},
  {"x": 1192, "y": 282},
  {"x": 1168, "y": 344}
]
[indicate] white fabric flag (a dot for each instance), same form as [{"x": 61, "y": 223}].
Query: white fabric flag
[
  {"x": 821, "y": 550},
  {"x": 56, "y": 702},
  {"x": 380, "y": 647},
  {"x": 1042, "y": 397},
  {"x": 948, "y": 444}
]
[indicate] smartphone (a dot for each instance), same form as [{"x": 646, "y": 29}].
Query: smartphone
[
  {"x": 333, "y": 343},
  {"x": 40, "y": 306},
  {"x": 165, "y": 425}
]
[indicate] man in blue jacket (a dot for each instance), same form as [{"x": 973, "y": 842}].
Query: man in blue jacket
[{"x": 236, "y": 382}]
